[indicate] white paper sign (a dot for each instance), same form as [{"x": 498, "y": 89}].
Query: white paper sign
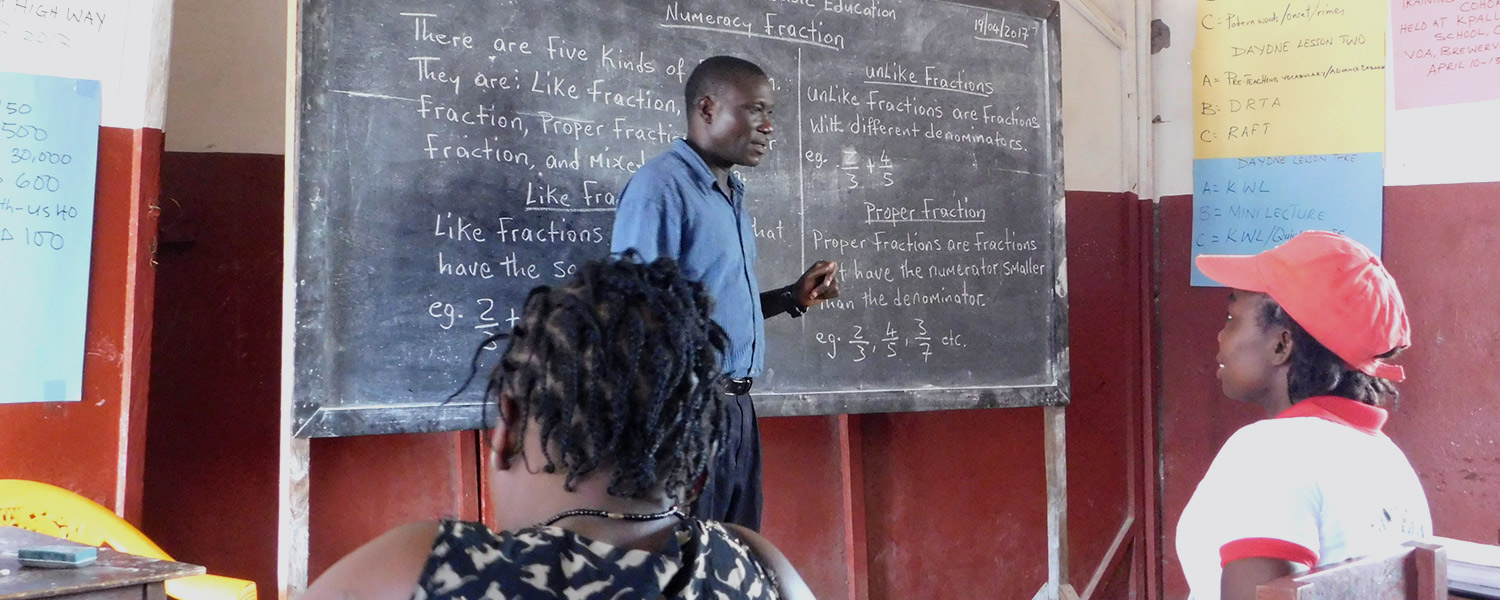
[{"x": 49, "y": 153}]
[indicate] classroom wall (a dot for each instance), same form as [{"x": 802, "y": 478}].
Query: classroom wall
[
  {"x": 211, "y": 471},
  {"x": 227, "y": 87},
  {"x": 95, "y": 447},
  {"x": 952, "y": 501},
  {"x": 1440, "y": 218},
  {"x": 211, "y": 467}
]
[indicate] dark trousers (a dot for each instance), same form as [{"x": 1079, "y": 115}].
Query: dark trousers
[{"x": 732, "y": 493}]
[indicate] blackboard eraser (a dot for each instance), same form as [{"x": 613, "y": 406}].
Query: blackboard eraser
[{"x": 57, "y": 557}]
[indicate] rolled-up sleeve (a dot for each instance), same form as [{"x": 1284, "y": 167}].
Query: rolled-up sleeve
[{"x": 648, "y": 219}]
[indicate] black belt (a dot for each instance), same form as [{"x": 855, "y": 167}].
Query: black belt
[{"x": 735, "y": 386}]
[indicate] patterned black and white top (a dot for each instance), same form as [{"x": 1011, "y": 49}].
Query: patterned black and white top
[{"x": 703, "y": 561}]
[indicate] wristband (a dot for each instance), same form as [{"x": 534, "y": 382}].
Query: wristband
[{"x": 790, "y": 301}]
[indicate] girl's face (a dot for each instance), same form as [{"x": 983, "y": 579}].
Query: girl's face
[{"x": 1248, "y": 359}]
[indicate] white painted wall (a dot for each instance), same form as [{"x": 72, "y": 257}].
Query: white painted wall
[
  {"x": 1172, "y": 74},
  {"x": 121, "y": 43},
  {"x": 1437, "y": 145},
  {"x": 228, "y": 82},
  {"x": 1094, "y": 103},
  {"x": 1440, "y": 144}
]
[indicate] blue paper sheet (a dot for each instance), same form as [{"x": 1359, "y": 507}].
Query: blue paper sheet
[
  {"x": 49, "y": 153},
  {"x": 1246, "y": 205}
]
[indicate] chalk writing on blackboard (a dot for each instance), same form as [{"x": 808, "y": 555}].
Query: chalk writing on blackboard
[{"x": 456, "y": 156}]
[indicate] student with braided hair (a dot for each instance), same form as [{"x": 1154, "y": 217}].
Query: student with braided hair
[
  {"x": 1312, "y": 325},
  {"x": 608, "y": 416}
]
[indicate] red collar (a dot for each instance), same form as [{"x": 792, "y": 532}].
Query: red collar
[{"x": 1343, "y": 411}]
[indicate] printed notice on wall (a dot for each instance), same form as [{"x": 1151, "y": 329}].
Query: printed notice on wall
[
  {"x": 1445, "y": 51},
  {"x": 1289, "y": 112},
  {"x": 49, "y": 149}
]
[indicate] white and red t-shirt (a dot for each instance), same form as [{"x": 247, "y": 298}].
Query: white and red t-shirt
[{"x": 1317, "y": 484}]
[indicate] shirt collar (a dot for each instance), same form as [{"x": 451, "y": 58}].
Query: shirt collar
[
  {"x": 1346, "y": 412},
  {"x": 701, "y": 172}
]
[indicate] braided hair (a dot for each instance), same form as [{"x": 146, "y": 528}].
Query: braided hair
[
  {"x": 617, "y": 369},
  {"x": 1314, "y": 370}
]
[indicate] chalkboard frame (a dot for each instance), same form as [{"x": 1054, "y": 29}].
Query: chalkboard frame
[{"x": 307, "y": 309}]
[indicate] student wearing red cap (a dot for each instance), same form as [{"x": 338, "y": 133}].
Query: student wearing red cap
[{"x": 1311, "y": 325}]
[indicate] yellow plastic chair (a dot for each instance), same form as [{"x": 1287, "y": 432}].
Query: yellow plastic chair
[{"x": 57, "y": 512}]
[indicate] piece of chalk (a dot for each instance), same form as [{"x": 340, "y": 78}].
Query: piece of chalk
[{"x": 57, "y": 557}]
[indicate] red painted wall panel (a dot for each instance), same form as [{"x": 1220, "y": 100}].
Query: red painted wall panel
[
  {"x": 804, "y": 513},
  {"x": 211, "y": 457},
  {"x": 1107, "y": 257},
  {"x": 956, "y": 502},
  {"x": 362, "y": 486},
  {"x": 105, "y": 433},
  {"x": 1441, "y": 245}
]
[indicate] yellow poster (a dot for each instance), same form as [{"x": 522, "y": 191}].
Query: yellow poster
[{"x": 1279, "y": 79}]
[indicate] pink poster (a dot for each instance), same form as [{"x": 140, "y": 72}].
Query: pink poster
[{"x": 1445, "y": 51}]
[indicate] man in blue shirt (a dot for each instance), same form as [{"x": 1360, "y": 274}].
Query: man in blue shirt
[{"x": 684, "y": 204}]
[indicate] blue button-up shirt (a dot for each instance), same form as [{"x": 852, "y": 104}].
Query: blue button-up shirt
[{"x": 674, "y": 207}]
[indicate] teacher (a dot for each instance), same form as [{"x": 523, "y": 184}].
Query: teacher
[{"x": 685, "y": 204}]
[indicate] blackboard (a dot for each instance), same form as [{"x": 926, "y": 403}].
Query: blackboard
[{"x": 451, "y": 155}]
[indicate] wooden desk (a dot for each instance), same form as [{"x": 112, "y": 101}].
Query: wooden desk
[{"x": 115, "y": 576}]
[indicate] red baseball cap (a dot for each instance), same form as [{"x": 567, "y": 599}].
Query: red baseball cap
[{"x": 1334, "y": 288}]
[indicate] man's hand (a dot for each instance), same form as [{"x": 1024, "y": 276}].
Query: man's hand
[{"x": 819, "y": 283}]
